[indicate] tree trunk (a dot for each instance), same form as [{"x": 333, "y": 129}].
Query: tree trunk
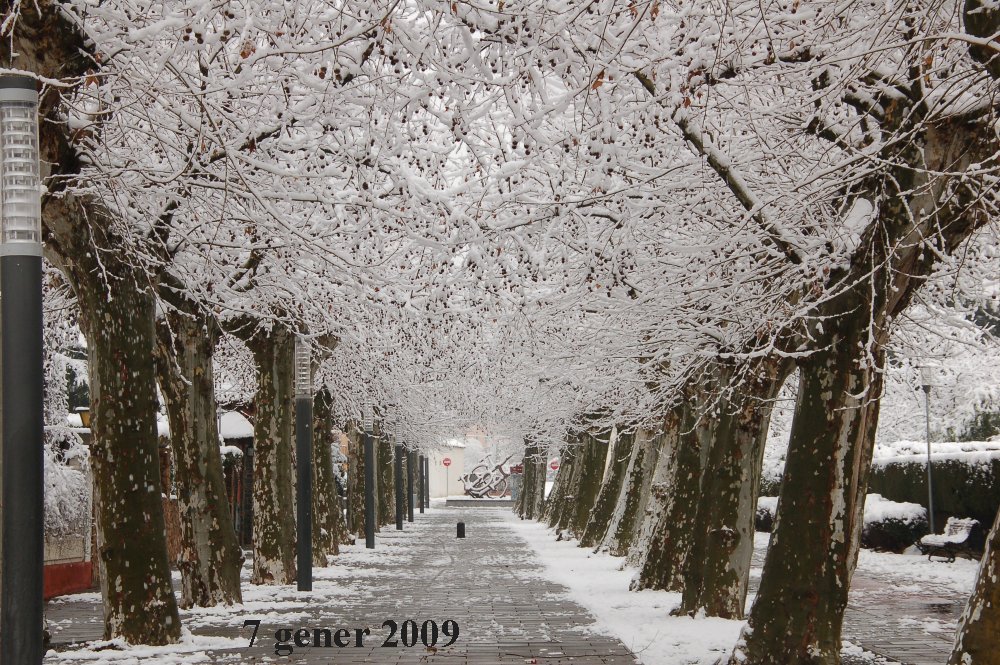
[
  {"x": 591, "y": 461},
  {"x": 635, "y": 490},
  {"x": 117, "y": 316},
  {"x": 386, "y": 510},
  {"x": 820, "y": 506},
  {"x": 532, "y": 497},
  {"x": 560, "y": 500},
  {"x": 273, "y": 490},
  {"x": 976, "y": 642},
  {"x": 671, "y": 537},
  {"x": 521, "y": 501},
  {"x": 356, "y": 477},
  {"x": 607, "y": 499},
  {"x": 139, "y": 603},
  {"x": 325, "y": 500},
  {"x": 656, "y": 498},
  {"x": 539, "y": 479},
  {"x": 210, "y": 558},
  {"x": 717, "y": 571}
]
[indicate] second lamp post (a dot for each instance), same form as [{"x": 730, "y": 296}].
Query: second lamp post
[
  {"x": 303, "y": 463},
  {"x": 368, "y": 417}
]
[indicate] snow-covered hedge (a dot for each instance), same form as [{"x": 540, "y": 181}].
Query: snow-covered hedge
[
  {"x": 966, "y": 476},
  {"x": 887, "y": 524},
  {"x": 892, "y": 525}
]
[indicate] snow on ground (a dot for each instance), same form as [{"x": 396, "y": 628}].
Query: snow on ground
[
  {"x": 905, "y": 570},
  {"x": 599, "y": 582},
  {"x": 190, "y": 650},
  {"x": 349, "y": 578},
  {"x": 641, "y": 620}
]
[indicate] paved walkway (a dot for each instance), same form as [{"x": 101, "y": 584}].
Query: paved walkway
[
  {"x": 488, "y": 583},
  {"x": 912, "y": 624}
]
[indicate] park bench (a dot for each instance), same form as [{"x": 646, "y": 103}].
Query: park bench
[{"x": 960, "y": 537}]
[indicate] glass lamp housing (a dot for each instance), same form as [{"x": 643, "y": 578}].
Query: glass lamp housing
[
  {"x": 20, "y": 194},
  {"x": 303, "y": 368},
  {"x": 367, "y": 417},
  {"x": 928, "y": 376}
]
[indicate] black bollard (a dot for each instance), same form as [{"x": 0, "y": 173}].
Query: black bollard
[{"x": 461, "y": 529}]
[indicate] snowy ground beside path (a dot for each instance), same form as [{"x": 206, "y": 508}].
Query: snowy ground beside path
[{"x": 642, "y": 620}]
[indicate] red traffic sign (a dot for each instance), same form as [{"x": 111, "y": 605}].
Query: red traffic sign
[
  {"x": 554, "y": 465},
  {"x": 517, "y": 468},
  {"x": 446, "y": 461}
]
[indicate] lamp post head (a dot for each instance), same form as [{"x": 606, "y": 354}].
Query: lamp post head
[
  {"x": 303, "y": 368},
  {"x": 367, "y": 415},
  {"x": 20, "y": 193},
  {"x": 928, "y": 377}
]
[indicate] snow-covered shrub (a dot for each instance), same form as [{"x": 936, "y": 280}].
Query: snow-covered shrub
[
  {"x": 67, "y": 486},
  {"x": 892, "y": 525},
  {"x": 232, "y": 456},
  {"x": 767, "y": 508}
]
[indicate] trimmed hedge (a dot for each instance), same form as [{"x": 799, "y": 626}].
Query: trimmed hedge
[
  {"x": 965, "y": 485},
  {"x": 888, "y": 525}
]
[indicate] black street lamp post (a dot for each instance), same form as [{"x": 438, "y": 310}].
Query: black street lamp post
[
  {"x": 23, "y": 421},
  {"x": 411, "y": 461},
  {"x": 22, "y": 375},
  {"x": 927, "y": 382},
  {"x": 369, "y": 477},
  {"x": 398, "y": 450},
  {"x": 303, "y": 463},
  {"x": 427, "y": 482},
  {"x": 420, "y": 483}
]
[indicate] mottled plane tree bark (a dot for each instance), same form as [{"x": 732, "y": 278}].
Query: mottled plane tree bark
[
  {"x": 717, "y": 572},
  {"x": 117, "y": 306},
  {"x": 923, "y": 197},
  {"x": 591, "y": 461},
  {"x": 635, "y": 490},
  {"x": 607, "y": 499},
  {"x": 273, "y": 488},
  {"x": 560, "y": 499},
  {"x": 670, "y": 537},
  {"x": 211, "y": 557},
  {"x": 326, "y": 531}
]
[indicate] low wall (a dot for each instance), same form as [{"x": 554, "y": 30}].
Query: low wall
[{"x": 62, "y": 578}]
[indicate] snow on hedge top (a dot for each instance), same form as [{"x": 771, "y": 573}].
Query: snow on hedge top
[
  {"x": 235, "y": 426},
  {"x": 879, "y": 509},
  {"x": 969, "y": 452}
]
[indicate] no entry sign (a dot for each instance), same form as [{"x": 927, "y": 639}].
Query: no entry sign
[
  {"x": 554, "y": 465},
  {"x": 446, "y": 461}
]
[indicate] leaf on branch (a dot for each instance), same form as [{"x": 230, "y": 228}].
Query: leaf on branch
[
  {"x": 598, "y": 82},
  {"x": 248, "y": 49}
]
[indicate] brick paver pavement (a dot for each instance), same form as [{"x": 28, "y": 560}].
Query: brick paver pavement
[
  {"x": 488, "y": 582},
  {"x": 914, "y": 625}
]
